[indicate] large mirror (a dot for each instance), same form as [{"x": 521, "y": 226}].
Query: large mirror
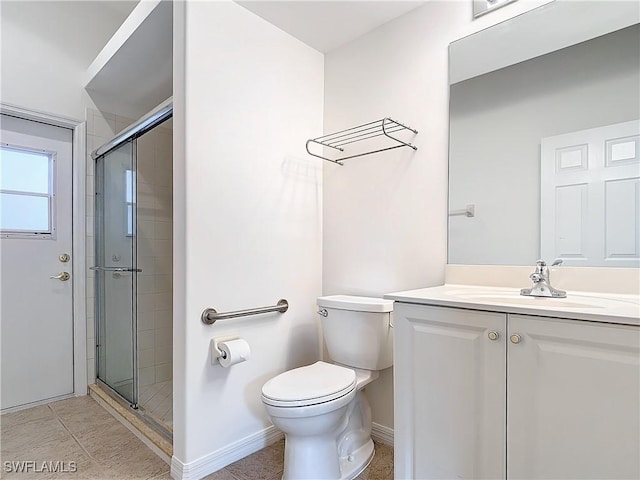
[{"x": 544, "y": 155}]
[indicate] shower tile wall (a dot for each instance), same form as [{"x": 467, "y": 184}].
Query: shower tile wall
[
  {"x": 155, "y": 257},
  {"x": 155, "y": 251}
]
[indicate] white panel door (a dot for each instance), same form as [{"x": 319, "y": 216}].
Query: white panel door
[
  {"x": 450, "y": 417},
  {"x": 590, "y": 196},
  {"x": 573, "y": 400},
  {"x": 36, "y": 320}
]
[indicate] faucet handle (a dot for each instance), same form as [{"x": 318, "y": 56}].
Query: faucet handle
[
  {"x": 541, "y": 263},
  {"x": 536, "y": 277},
  {"x": 557, "y": 261}
]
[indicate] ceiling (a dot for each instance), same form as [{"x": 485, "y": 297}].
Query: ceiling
[
  {"x": 136, "y": 65},
  {"x": 327, "y": 25}
]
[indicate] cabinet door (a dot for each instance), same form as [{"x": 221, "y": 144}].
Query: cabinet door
[
  {"x": 573, "y": 400},
  {"x": 450, "y": 393}
]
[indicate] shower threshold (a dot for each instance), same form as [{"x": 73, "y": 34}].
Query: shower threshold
[{"x": 155, "y": 435}]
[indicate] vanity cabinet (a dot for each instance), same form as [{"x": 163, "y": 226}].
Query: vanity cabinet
[{"x": 497, "y": 395}]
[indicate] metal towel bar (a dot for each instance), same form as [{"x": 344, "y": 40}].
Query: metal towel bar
[
  {"x": 116, "y": 269},
  {"x": 210, "y": 315},
  {"x": 470, "y": 211}
]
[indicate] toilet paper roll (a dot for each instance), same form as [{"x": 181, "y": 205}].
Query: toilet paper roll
[{"x": 233, "y": 351}]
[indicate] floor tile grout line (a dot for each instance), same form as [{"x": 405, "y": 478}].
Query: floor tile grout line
[
  {"x": 153, "y": 396},
  {"x": 96, "y": 462},
  {"x": 26, "y": 420},
  {"x": 158, "y": 394},
  {"x": 103, "y": 468},
  {"x": 241, "y": 477},
  {"x": 381, "y": 467},
  {"x": 63, "y": 421}
]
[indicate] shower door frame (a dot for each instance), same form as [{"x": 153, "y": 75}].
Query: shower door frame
[
  {"x": 99, "y": 239},
  {"x": 155, "y": 117}
]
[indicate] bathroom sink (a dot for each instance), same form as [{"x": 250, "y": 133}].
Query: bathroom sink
[
  {"x": 593, "y": 306},
  {"x": 513, "y": 297},
  {"x": 516, "y": 299}
]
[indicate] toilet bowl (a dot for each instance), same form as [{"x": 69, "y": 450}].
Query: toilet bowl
[
  {"x": 322, "y": 408},
  {"x": 326, "y": 420}
]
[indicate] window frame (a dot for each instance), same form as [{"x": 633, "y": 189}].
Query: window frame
[{"x": 51, "y": 197}]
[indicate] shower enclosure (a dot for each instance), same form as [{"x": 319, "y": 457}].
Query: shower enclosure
[{"x": 133, "y": 266}]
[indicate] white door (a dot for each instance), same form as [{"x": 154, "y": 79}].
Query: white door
[
  {"x": 573, "y": 400},
  {"x": 450, "y": 407},
  {"x": 36, "y": 321},
  {"x": 590, "y": 196}
]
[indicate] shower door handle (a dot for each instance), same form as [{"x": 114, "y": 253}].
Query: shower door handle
[{"x": 116, "y": 269}]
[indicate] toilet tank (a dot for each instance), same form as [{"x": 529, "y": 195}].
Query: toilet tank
[{"x": 358, "y": 331}]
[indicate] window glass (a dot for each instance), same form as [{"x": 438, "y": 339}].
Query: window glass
[
  {"x": 129, "y": 220},
  {"x": 25, "y": 191},
  {"x": 24, "y": 171},
  {"x": 129, "y": 182},
  {"x": 24, "y": 213},
  {"x": 130, "y": 194}
]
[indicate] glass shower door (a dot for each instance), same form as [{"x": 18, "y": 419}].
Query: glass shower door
[{"x": 116, "y": 271}]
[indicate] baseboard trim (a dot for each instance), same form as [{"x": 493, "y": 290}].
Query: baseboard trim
[
  {"x": 46, "y": 401},
  {"x": 382, "y": 434},
  {"x": 225, "y": 456}
]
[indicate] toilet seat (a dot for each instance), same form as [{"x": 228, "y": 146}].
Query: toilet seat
[{"x": 311, "y": 385}]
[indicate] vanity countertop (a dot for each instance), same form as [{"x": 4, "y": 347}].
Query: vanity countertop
[{"x": 595, "y": 307}]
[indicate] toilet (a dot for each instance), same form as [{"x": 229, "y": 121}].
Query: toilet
[{"x": 321, "y": 408}]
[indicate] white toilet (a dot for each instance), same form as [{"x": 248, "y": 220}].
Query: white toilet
[{"x": 321, "y": 408}]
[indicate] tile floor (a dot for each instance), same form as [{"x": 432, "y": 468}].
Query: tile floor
[
  {"x": 157, "y": 400},
  {"x": 81, "y": 431}
]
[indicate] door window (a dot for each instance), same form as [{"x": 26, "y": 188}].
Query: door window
[{"x": 26, "y": 192}]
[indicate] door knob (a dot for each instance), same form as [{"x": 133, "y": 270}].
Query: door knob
[
  {"x": 493, "y": 335},
  {"x": 515, "y": 338},
  {"x": 62, "y": 276}
]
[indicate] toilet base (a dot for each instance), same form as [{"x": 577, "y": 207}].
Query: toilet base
[
  {"x": 353, "y": 465},
  {"x": 350, "y": 466}
]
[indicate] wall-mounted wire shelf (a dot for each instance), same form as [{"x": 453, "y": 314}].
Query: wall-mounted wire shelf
[{"x": 338, "y": 140}]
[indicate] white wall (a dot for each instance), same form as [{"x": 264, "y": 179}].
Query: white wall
[
  {"x": 385, "y": 215},
  {"x": 248, "y": 207},
  {"x": 46, "y": 47}
]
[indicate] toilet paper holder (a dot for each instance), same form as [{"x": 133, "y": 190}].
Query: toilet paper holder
[{"x": 216, "y": 353}]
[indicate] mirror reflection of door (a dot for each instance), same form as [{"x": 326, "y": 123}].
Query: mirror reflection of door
[
  {"x": 36, "y": 316},
  {"x": 590, "y": 196},
  {"x": 498, "y": 119}
]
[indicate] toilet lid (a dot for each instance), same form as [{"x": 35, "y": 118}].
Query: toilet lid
[{"x": 310, "y": 385}]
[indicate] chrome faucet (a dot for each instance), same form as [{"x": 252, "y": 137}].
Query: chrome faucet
[{"x": 541, "y": 283}]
